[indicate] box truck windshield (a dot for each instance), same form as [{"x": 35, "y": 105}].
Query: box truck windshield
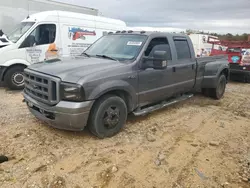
[{"x": 20, "y": 30}]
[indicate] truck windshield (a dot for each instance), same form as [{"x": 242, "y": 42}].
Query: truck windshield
[
  {"x": 120, "y": 47},
  {"x": 20, "y": 30},
  {"x": 234, "y": 49}
]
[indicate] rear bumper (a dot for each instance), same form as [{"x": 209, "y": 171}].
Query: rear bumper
[
  {"x": 239, "y": 74},
  {"x": 71, "y": 116},
  {"x": 239, "y": 69}
]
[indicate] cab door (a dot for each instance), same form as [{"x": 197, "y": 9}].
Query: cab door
[
  {"x": 42, "y": 43},
  {"x": 155, "y": 85}
]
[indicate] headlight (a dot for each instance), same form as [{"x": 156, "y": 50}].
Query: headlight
[{"x": 71, "y": 92}]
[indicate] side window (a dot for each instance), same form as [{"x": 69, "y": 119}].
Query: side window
[
  {"x": 158, "y": 44},
  {"x": 182, "y": 49},
  {"x": 43, "y": 34}
]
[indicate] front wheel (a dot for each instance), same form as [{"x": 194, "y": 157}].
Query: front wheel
[
  {"x": 218, "y": 92},
  {"x": 108, "y": 116},
  {"x": 14, "y": 78}
]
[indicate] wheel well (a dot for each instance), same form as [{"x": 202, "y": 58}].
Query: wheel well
[
  {"x": 225, "y": 72},
  {"x": 124, "y": 95},
  {"x": 15, "y": 65}
]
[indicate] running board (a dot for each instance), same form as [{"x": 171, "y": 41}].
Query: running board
[{"x": 144, "y": 111}]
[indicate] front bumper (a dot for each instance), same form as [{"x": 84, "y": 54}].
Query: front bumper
[
  {"x": 243, "y": 72},
  {"x": 239, "y": 72},
  {"x": 240, "y": 75},
  {"x": 2, "y": 70},
  {"x": 71, "y": 116}
]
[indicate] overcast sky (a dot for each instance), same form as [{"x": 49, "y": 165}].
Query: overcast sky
[{"x": 224, "y": 16}]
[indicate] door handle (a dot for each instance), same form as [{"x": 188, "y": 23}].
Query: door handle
[
  {"x": 192, "y": 66},
  {"x": 174, "y": 69}
]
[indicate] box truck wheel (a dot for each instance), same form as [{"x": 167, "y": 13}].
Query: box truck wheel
[
  {"x": 108, "y": 116},
  {"x": 14, "y": 77}
]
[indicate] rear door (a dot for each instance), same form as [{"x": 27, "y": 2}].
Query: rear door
[{"x": 184, "y": 67}]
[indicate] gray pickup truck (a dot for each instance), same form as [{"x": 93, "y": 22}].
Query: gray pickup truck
[{"x": 121, "y": 73}]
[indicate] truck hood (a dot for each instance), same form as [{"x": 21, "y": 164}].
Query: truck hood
[
  {"x": 71, "y": 70},
  {"x": 4, "y": 41},
  {"x": 7, "y": 48}
]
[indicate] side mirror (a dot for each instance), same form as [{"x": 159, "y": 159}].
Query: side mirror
[{"x": 158, "y": 61}]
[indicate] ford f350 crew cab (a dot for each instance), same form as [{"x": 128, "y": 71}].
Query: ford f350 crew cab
[{"x": 121, "y": 73}]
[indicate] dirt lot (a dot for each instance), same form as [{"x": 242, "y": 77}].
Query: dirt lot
[{"x": 197, "y": 143}]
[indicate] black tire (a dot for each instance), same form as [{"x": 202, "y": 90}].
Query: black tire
[
  {"x": 247, "y": 79},
  {"x": 218, "y": 92},
  {"x": 108, "y": 116},
  {"x": 14, "y": 79}
]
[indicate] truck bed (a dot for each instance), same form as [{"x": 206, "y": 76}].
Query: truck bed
[{"x": 211, "y": 58}]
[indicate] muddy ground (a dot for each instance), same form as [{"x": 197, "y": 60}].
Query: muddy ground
[{"x": 197, "y": 143}]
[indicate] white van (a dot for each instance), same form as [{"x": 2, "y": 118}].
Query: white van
[
  {"x": 50, "y": 35},
  {"x": 4, "y": 41}
]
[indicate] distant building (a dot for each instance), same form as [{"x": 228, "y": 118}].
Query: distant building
[{"x": 14, "y": 11}]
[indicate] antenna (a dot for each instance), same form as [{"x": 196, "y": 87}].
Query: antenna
[{"x": 28, "y": 6}]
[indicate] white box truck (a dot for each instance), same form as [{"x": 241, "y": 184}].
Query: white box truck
[
  {"x": 201, "y": 47},
  {"x": 50, "y": 35},
  {"x": 13, "y": 12}
]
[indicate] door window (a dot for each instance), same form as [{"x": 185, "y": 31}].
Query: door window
[
  {"x": 182, "y": 49},
  {"x": 158, "y": 44},
  {"x": 43, "y": 34}
]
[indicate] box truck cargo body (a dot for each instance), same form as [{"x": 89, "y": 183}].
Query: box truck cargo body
[
  {"x": 200, "y": 42},
  {"x": 13, "y": 12}
]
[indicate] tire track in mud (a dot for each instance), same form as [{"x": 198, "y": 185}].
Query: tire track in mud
[
  {"x": 185, "y": 171},
  {"x": 182, "y": 143}
]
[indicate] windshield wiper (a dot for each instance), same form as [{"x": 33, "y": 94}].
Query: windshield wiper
[
  {"x": 84, "y": 53},
  {"x": 106, "y": 57}
]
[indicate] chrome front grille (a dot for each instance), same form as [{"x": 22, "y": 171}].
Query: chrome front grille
[{"x": 42, "y": 87}]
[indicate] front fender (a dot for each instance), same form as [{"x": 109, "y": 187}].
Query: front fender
[
  {"x": 114, "y": 85},
  {"x": 16, "y": 61},
  {"x": 4, "y": 67}
]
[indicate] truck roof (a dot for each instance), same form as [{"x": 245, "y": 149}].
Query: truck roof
[
  {"x": 150, "y": 33},
  {"x": 63, "y": 4},
  {"x": 41, "y": 16}
]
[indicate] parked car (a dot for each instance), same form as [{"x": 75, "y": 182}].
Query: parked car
[
  {"x": 50, "y": 35},
  {"x": 121, "y": 73},
  {"x": 241, "y": 71}
]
